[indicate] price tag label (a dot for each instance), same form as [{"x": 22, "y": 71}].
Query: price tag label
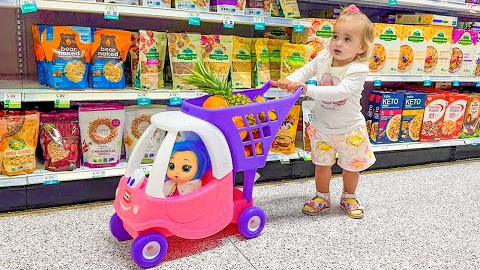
[
  {"x": 146, "y": 169},
  {"x": 392, "y": 3},
  {"x": 175, "y": 99},
  {"x": 477, "y": 84},
  {"x": 456, "y": 83},
  {"x": 143, "y": 99},
  {"x": 62, "y": 101},
  {"x": 199, "y": 94},
  {"x": 111, "y": 13},
  {"x": 12, "y": 100},
  {"x": 98, "y": 174},
  {"x": 228, "y": 22},
  {"x": 305, "y": 155},
  {"x": 470, "y": 8},
  {"x": 259, "y": 23},
  {"x": 283, "y": 159},
  {"x": 377, "y": 83},
  {"x": 427, "y": 83},
  {"x": 28, "y": 6},
  {"x": 50, "y": 179},
  {"x": 194, "y": 18},
  {"x": 298, "y": 27}
]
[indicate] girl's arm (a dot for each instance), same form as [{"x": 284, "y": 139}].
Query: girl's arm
[
  {"x": 353, "y": 81},
  {"x": 308, "y": 71}
]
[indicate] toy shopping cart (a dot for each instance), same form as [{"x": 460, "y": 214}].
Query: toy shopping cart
[{"x": 144, "y": 214}]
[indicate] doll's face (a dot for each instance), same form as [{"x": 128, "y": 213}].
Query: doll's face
[{"x": 183, "y": 166}]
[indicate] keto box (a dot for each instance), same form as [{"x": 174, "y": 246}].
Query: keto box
[
  {"x": 386, "y": 48},
  {"x": 433, "y": 116},
  {"x": 387, "y": 117},
  {"x": 412, "y": 116}
]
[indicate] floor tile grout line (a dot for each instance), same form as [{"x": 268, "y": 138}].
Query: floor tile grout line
[{"x": 242, "y": 253}]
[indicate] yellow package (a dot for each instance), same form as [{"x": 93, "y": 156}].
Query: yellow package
[
  {"x": 294, "y": 56},
  {"x": 290, "y": 8},
  {"x": 217, "y": 52},
  {"x": 241, "y": 63},
  {"x": 152, "y": 50},
  {"x": 184, "y": 50},
  {"x": 285, "y": 139},
  {"x": 263, "y": 62},
  {"x": 274, "y": 54},
  {"x": 253, "y": 61},
  {"x": 18, "y": 146}
]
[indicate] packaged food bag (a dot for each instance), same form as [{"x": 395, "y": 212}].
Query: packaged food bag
[
  {"x": 285, "y": 139},
  {"x": 184, "y": 50},
  {"x": 241, "y": 63}
]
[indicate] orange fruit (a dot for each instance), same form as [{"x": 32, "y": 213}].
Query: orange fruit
[{"x": 215, "y": 102}]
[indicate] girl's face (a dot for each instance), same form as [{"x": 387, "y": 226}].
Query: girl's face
[
  {"x": 346, "y": 42},
  {"x": 183, "y": 166}
]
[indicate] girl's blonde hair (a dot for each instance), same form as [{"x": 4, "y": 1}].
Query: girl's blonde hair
[{"x": 353, "y": 13}]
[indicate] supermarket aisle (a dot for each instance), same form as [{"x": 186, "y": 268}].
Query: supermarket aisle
[{"x": 420, "y": 218}]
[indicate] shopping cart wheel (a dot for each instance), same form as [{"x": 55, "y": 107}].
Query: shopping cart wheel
[
  {"x": 251, "y": 222},
  {"x": 117, "y": 229},
  {"x": 148, "y": 250}
]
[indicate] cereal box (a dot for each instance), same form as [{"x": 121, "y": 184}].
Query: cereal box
[
  {"x": 463, "y": 49},
  {"x": 476, "y": 59},
  {"x": 439, "y": 44},
  {"x": 426, "y": 19},
  {"x": 387, "y": 117},
  {"x": 370, "y": 110},
  {"x": 386, "y": 48},
  {"x": 308, "y": 108},
  {"x": 319, "y": 35},
  {"x": 412, "y": 116},
  {"x": 413, "y": 50},
  {"x": 471, "y": 126},
  {"x": 452, "y": 122},
  {"x": 433, "y": 116},
  {"x": 200, "y": 5}
]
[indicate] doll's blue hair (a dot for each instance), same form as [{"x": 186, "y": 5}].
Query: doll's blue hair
[{"x": 197, "y": 147}]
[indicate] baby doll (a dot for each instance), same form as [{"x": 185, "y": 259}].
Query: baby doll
[{"x": 188, "y": 163}]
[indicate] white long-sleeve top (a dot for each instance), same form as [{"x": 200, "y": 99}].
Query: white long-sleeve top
[{"x": 338, "y": 93}]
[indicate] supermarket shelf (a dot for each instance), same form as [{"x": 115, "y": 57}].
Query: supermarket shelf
[
  {"x": 444, "y": 6},
  {"x": 35, "y": 95},
  {"x": 173, "y": 14},
  {"x": 421, "y": 78},
  {"x": 48, "y": 177}
]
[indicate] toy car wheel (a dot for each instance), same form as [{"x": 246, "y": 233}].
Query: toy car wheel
[
  {"x": 148, "y": 250},
  {"x": 251, "y": 222},
  {"x": 117, "y": 229}
]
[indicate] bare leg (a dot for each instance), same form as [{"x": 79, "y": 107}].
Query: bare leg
[
  {"x": 350, "y": 181},
  {"x": 320, "y": 202},
  {"x": 323, "y": 174}
]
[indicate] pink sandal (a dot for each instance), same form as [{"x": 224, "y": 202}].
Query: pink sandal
[
  {"x": 317, "y": 205},
  {"x": 350, "y": 204}
]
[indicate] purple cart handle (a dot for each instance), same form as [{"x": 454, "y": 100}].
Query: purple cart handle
[{"x": 249, "y": 175}]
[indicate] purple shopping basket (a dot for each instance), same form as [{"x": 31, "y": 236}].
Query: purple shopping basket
[{"x": 222, "y": 118}]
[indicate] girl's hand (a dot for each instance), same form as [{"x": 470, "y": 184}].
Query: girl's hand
[
  {"x": 283, "y": 83},
  {"x": 294, "y": 86}
]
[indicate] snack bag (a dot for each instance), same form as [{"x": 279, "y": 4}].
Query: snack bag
[
  {"x": 285, "y": 139},
  {"x": 262, "y": 63},
  {"x": 184, "y": 50},
  {"x": 241, "y": 63},
  {"x": 294, "y": 56},
  {"x": 217, "y": 53},
  {"x": 152, "y": 50}
]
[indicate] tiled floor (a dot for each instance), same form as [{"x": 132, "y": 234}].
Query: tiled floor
[{"x": 417, "y": 218}]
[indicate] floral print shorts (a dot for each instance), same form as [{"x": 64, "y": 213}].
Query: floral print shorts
[{"x": 355, "y": 153}]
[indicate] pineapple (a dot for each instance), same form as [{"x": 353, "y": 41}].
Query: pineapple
[{"x": 219, "y": 88}]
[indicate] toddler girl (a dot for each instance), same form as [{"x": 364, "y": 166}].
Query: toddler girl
[{"x": 339, "y": 125}]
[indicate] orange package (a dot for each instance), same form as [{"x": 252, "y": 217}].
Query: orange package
[
  {"x": 433, "y": 116},
  {"x": 452, "y": 122},
  {"x": 66, "y": 53},
  {"x": 285, "y": 139},
  {"x": 18, "y": 146},
  {"x": 109, "y": 52}
]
